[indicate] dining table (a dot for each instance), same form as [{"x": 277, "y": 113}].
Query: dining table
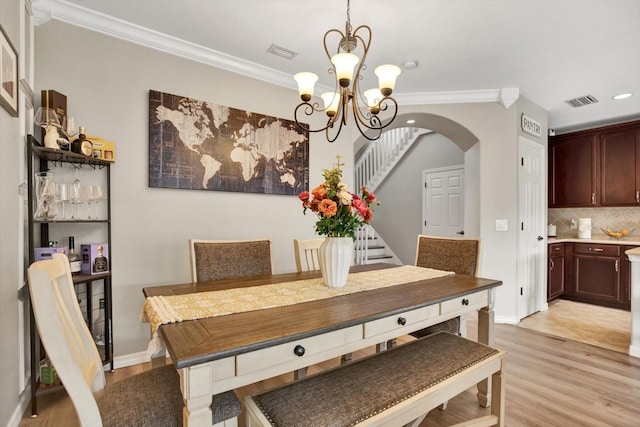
[{"x": 240, "y": 346}]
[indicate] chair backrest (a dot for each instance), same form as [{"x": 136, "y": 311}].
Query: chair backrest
[
  {"x": 65, "y": 335},
  {"x": 228, "y": 259},
  {"x": 306, "y": 252},
  {"x": 449, "y": 254}
]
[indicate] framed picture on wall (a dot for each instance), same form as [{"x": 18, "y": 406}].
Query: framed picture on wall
[{"x": 8, "y": 74}]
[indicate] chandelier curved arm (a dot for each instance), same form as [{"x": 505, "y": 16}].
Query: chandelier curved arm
[{"x": 374, "y": 122}]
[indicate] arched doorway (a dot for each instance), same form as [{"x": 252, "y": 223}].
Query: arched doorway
[{"x": 398, "y": 227}]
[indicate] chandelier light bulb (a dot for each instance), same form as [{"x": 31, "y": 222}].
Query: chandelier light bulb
[
  {"x": 306, "y": 82},
  {"x": 387, "y": 75},
  {"x": 331, "y": 103},
  {"x": 374, "y": 96},
  {"x": 344, "y": 64}
]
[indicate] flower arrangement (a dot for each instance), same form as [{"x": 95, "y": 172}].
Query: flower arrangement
[{"x": 341, "y": 212}]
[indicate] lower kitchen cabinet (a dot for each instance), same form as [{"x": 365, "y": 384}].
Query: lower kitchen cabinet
[
  {"x": 556, "y": 274},
  {"x": 590, "y": 272},
  {"x": 596, "y": 273}
]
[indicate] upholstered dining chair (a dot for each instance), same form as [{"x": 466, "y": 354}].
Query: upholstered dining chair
[
  {"x": 149, "y": 399},
  {"x": 229, "y": 259},
  {"x": 459, "y": 255},
  {"x": 306, "y": 253}
]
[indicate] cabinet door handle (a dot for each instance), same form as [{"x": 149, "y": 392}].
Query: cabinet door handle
[
  {"x": 596, "y": 249},
  {"x": 552, "y": 265},
  {"x": 637, "y": 196},
  {"x": 593, "y": 198},
  {"x": 402, "y": 321},
  {"x": 617, "y": 265}
]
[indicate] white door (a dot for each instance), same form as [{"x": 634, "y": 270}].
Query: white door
[
  {"x": 531, "y": 242},
  {"x": 443, "y": 202}
]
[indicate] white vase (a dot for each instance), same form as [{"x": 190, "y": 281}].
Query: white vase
[{"x": 335, "y": 255}]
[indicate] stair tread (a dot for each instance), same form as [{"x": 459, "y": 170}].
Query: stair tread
[{"x": 379, "y": 256}]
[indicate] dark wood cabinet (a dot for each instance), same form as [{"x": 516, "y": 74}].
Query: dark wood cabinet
[
  {"x": 596, "y": 271},
  {"x": 625, "y": 291},
  {"x": 589, "y": 272},
  {"x": 572, "y": 171},
  {"x": 620, "y": 167},
  {"x": 556, "y": 273},
  {"x": 596, "y": 167}
]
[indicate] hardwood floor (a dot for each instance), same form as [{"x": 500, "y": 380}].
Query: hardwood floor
[
  {"x": 601, "y": 326},
  {"x": 550, "y": 381}
]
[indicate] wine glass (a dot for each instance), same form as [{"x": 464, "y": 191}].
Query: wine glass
[
  {"x": 63, "y": 197},
  {"x": 87, "y": 197},
  {"x": 98, "y": 196},
  {"x": 74, "y": 196}
]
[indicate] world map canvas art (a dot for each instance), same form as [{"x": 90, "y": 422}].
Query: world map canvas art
[{"x": 200, "y": 145}]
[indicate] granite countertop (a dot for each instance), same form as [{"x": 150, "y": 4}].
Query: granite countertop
[{"x": 596, "y": 238}]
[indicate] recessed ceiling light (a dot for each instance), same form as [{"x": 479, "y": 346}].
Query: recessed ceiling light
[
  {"x": 411, "y": 64},
  {"x": 622, "y": 96},
  {"x": 410, "y": 121}
]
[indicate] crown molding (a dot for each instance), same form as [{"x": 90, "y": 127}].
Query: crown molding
[{"x": 61, "y": 10}]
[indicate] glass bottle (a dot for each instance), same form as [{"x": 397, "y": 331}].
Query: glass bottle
[
  {"x": 75, "y": 262},
  {"x": 98, "y": 325},
  {"x": 82, "y": 145}
]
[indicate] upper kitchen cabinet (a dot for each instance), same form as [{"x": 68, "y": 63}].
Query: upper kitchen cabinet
[
  {"x": 596, "y": 167},
  {"x": 620, "y": 167},
  {"x": 572, "y": 171}
]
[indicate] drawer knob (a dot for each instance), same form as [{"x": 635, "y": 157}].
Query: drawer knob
[
  {"x": 465, "y": 301},
  {"x": 402, "y": 321},
  {"x": 299, "y": 350}
]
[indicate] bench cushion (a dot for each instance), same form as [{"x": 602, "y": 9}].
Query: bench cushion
[{"x": 344, "y": 396}]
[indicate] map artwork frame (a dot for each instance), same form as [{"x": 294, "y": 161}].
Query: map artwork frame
[{"x": 198, "y": 145}]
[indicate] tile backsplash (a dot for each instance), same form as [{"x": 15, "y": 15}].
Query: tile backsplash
[{"x": 613, "y": 218}]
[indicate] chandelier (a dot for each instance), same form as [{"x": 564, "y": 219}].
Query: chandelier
[{"x": 347, "y": 66}]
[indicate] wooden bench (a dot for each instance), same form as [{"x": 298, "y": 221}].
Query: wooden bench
[{"x": 392, "y": 388}]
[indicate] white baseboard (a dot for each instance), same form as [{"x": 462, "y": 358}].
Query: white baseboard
[
  {"x": 511, "y": 320},
  {"x": 130, "y": 359}
]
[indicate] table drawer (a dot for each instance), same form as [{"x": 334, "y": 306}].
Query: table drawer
[
  {"x": 596, "y": 249},
  {"x": 390, "y": 323},
  {"x": 465, "y": 303},
  {"x": 285, "y": 353}
]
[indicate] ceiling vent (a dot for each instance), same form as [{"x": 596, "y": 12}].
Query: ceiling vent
[
  {"x": 581, "y": 101},
  {"x": 282, "y": 52}
]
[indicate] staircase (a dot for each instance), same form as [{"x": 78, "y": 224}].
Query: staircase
[
  {"x": 380, "y": 156},
  {"x": 374, "y": 164}
]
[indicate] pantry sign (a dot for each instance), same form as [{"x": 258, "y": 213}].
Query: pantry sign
[{"x": 531, "y": 126}]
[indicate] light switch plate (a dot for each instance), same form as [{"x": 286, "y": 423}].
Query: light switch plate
[{"x": 501, "y": 225}]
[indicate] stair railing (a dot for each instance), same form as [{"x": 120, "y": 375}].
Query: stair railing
[
  {"x": 380, "y": 156},
  {"x": 363, "y": 235}
]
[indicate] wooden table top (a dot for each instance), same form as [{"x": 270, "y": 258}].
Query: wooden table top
[{"x": 198, "y": 341}]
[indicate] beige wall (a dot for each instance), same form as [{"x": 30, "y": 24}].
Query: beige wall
[
  {"x": 109, "y": 95},
  {"x": 399, "y": 219}
]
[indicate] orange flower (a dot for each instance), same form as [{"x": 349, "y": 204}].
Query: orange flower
[
  {"x": 319, "y": 192},
  {"x": 328, "y": 207}
]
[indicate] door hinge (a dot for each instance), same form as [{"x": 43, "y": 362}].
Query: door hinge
[
  {"x": 522, "y": 226},
  {"x": 521, "y": 161},
  {"x": 521, "y": 290},
  {"x": 425, "y": 185}
]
